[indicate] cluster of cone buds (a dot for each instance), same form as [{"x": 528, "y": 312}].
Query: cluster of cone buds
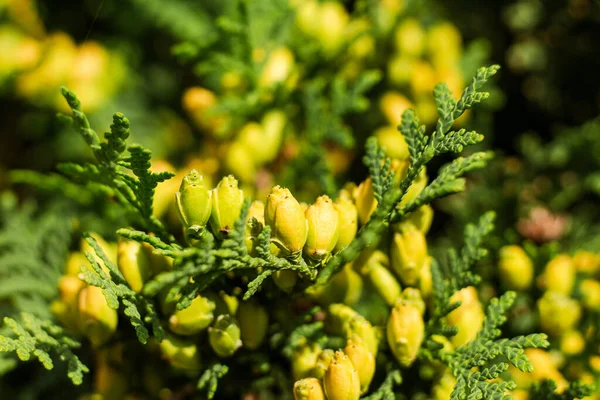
[{"x": 570, "y": 288}]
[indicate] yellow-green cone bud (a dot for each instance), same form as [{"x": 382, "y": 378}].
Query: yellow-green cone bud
[
  {"x": 413, "y": 297},
  {"x": 468, "y": 317},
  {"x": 364, "y": 197},
  {"x": 134, "y": 263},
  {"x": 390, "y": 138},
  {"x": 284, "y": 215},
  {"x": 341, "y": 379},
  {"x": 304, "y": 360},
  {"x": 96, "y": 319},
  {"x": 339, "y": 317},
  {"x": 344, "y": 287},
  {"x": 558, "y": 313},
  {"x": 308, "y": 389},
  {"x": 285, "y": 279},
  {"x": 586, "y": 262},
  {"x": 224, "y": 336},
  {"x": 408, "y": 254},
  {"x": 253, "y": 228},
  {"x": 193, "y": 201},
  {"x": 559, "y": 275},
  {"x": 348, "y": 221},
  {"x": 516, "y": 268},
  {"x": 405, "y": 332},
  {"x": 444, "y": 387},
  {"x": 425, "y": 279},
  {"x": 361, "y": 327},
  {"x": 362, "y": 359},
  {"x": 384, "y": 281},
  {"x": 254, "y": 321},
  {"x": 421, "y": 218},
  {"x": 273, "y": 124},
  {"x": 572, "y": 343},
  {"x": 323, "y": 228},
  {"x": 227, "y": 202},
  {"x": 323, "y": 361},
  {"x": 182, "y": 354},
  {"x": 194, "y": 319},
  {"x": 590, "y": 294}
]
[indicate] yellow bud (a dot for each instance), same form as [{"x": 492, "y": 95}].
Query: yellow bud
[
  {"x": 421, "y": 218},
  {"x": 339, "y": 317},
  {"x": 384, "y": 281},
  {"x": 408, "y": 253},
  {"x": 273, "y": 123},
  {"x": 256, "y": 211},
  {"x": 194, "y": 319},
  {"x": 363, "y": 361},
  {"x": 393, "y": 104},
  {"x": 364, "y": 197},
  {"x": 444, "y": 387},
  {"x": 558, "y": 313},
  {"x": 304, "y": 360},
  {"x": 308, "y": 389},
  {"x": 516, "y": 268},
  {"x": 278, "y": 68},
  {"x": 69, "y": 287},
  {"x": 517, "y": 394},
  {"x": 323, "y": 361},
  {"x": 344, "y": 287},
  {"x": 559, "y": 275},
  {"x": 412, "y": 296},
  {"x": 400, "y": 168},
  {"x": 543, "y": 368},
  {"x": 240, "y": 162},
  {"x": 586, "y": 262},
  {"x": 590, "y": 293},
  {"x": 283, "y": 213},
  {"x": 361, "y": 327},
  {"x": 193, "y": 201},
  {"x": 410, "y": 38},
  {"x": 254, "y": 321},
  {"x": 468, "y": 318},
  {"x": 572, "y": 343},
  {"x": 134, "y": 264},
  {"x": 96, "y": 319},
  {"x": 425, "y": 279},
  {"x": 181, "y": 353},
  {"x": 307, "y": 17},
  {"x": 400, "y": 69},
  {"x": 348, "y": 218},
  {"x": 444, "y": 44},
  {"x": 333, "y": 19},
  {"x": 66, "y": 315},
  {"x": 285, "y": 279},
  {"x": 390, "y": 138},
  {"x": 198, "y": 102},
  {"x": 323, "y": 228},
  {"x": 227, "y": 202},
  {"x": 341, "y": 379},
  {"x": 75, "y": 262},
  {"x": 405, "y": 332},
  {"x": 423, "y": 79}
]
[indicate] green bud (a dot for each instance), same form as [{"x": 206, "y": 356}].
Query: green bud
[
  {"x": 516, "y": 268},
  {"x": 363, "y": 360},
  {"x": 284, "y": 215},
  {"x": 97, "y": 320},
  {"x": 134, "y": 264},
  {"x": 323, "y": 361},
  {"x": 341, "y": 379},
  {"x": 254, "y": 321},
  {"x": 408, "y": 254},
  {"x": 224, "y": 336},
  {"x": 405, "y": 332},
  {"x": 323, "y": 228},
  {"x": 227, "y": 202},
  {"x": 254, "y": 227},
  {"x": 558, "y": 313},
  {"x": 181, "y": 353},
  {"x": 194, "y": 319},
  {"x": 308, "y": 389},
  {"x": 285, "y": 279},
  {"x": 304, "y": 360},
  {"x": 348, "y": 216},
  {"x": 193, "y": 201}
]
